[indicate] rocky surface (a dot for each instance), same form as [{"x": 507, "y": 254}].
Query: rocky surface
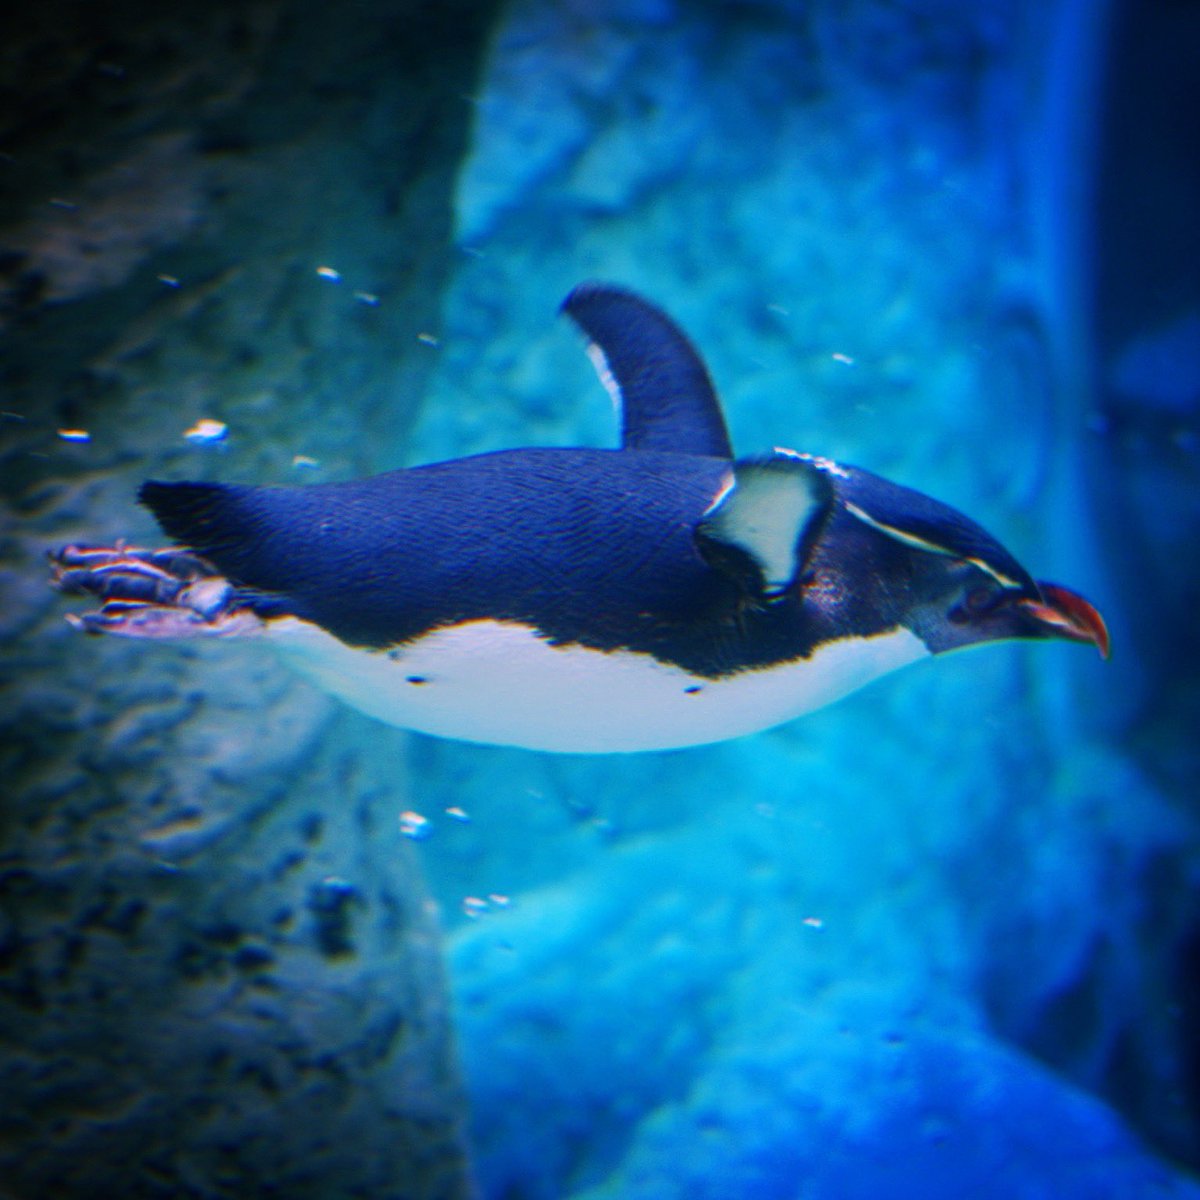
[{"x": 220, "y": 972}]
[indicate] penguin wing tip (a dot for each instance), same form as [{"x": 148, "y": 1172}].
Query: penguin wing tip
[{"x": 589, "y": 291}]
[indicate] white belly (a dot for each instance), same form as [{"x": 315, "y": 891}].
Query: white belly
[{"x": 496, "y": 682}]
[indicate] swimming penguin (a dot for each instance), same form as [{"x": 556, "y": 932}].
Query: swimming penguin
[{"x": 660, "y": 595}]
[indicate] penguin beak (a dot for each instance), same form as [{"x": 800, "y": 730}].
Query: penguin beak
[{"x": 1066, "y": 614}]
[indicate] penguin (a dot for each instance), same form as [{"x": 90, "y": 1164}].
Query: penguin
[{"x": 660, "y": 595}]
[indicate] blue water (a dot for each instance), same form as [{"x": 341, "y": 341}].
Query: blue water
[
  {"x": 940, "y": 940},
  {"x": 921, "y": 943}
]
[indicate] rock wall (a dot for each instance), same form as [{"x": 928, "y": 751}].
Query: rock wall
[{"x": 220, "y": 972}]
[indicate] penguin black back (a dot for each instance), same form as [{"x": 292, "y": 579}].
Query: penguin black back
[{"x": 587, "y": 546}]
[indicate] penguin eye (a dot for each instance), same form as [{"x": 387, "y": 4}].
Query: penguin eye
[
  {"x": 976, "y": 602},
  {"x": 980, "y": 600}
]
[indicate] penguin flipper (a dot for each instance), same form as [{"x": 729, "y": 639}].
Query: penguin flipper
[
  {"x": 653, "y": 373},
  {"x": 763, "y": 525}
]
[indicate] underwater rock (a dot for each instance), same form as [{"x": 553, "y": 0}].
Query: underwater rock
[
  {"x": 746, "y": 987},
  {"x": 957, "y": 1115},
  {"x": 171, "y": 190},
  {"x": 218, "y": 976},
  {"x": 220, "y": 972}
]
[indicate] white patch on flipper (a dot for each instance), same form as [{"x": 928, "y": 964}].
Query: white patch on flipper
[
  {"x": 599, "y": 361},
  {"x": 500, "y": 683},
  {"x": 766, "y": 512}
]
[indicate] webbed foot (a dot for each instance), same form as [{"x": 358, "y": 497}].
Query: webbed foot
[{"x": 150, "y": 593}]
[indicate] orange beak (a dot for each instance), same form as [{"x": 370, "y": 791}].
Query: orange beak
[{"x": 1068, "y": 615}]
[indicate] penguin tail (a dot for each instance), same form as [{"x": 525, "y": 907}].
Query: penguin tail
[{"x": 194, "y": 514}]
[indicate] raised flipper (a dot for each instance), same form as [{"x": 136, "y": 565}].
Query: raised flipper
[
  {"x": 656, "y": 379},
  {"x": 761, "y": 529},
  {"x": 151, "y": 593}
]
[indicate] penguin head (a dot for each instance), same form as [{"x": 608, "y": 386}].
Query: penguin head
[
  {"x": 958, "y": 585},
  {"x": 962, "y": 604},
  {"x": 864, "y": 556}
]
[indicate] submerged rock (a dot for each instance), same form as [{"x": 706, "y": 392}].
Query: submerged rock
[{"x": 220, "y": 973}]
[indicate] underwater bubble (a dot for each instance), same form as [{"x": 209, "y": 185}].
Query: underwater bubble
[
  {"x": 335, "y": 885},
  {"x": 330, "y": 273},
  {"x": 206, "y": 431},
  {"x": 415, "y": 826},
  {"x": 813, "y": 922},
  {"x": 474, "y": 906},
  {"x": 458, "y": 814}
]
